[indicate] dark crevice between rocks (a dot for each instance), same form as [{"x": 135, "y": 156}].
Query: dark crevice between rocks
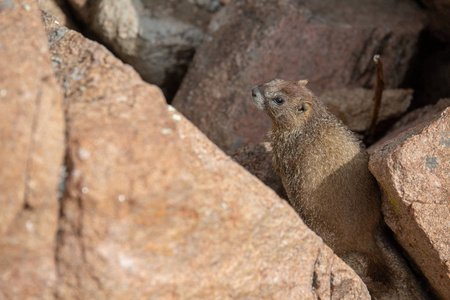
[
  {"x": 420, "y": 4},
  {"x": 34, "y": 124},
  {"x": 332, "y": 286},
  {"x": 381, "y": 130},
  {"x": 419, "y": 70},
  {"x": 423, "y": 281},
  {"x": 415, "y": 79},
  {"x": 175, "y": 77},
  {"x": 315, "y": 282},
  {"x": 77, "y": 224},
  {"x": 63, "y": 193}
]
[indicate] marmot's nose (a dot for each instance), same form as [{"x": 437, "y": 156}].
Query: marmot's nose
[{"x": 256, "y": 90}]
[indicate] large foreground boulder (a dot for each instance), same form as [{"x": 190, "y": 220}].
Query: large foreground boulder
[
  {"x": 413, "y": 170},
  {"x": 31, "y": 154},
  {"x": 153, "y": 209},
  {"x": 254, "y": 41}
]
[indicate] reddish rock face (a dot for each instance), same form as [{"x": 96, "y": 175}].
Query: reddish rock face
[
  {"x": 355, "y": 106},
  {"x": 413, "y": 170},
  {"x": 154, "y": 209},
  {"x": 31, "y": 153},
  {"x": 410, "y": 120},
  {"x": 254, "y": 41}
]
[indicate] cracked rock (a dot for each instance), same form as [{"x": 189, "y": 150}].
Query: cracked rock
[
  {"x": 166, "y": 214},
  {"x": 31, "y": 153},
  {"x": 413, "y": 170}
]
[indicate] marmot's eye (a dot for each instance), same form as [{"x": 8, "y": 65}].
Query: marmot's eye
[{"x": 278, "y": 100}]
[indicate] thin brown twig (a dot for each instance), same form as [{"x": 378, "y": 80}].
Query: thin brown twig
[{"x": 379, "y": 86}]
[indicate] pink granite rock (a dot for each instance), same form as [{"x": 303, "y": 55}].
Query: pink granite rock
[
  {"x": 410, "y": 120},
  {"x": 413, "y": 170},
  {"x": 31, "y": 154}
]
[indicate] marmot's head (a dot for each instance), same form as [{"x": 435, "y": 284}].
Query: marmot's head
[{"x": 289, "y": 104}]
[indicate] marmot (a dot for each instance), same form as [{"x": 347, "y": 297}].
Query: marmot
[{"x": 324, "y": 169}]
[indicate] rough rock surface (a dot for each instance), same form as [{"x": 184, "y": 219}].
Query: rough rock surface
[
  {"x": 255, "y": 41},
  {"x": 154, "y": 209},
  {"x": 432, "y": 82},
  {"x": 413, "y": 170},
  {"x": 158, "y": 37},
  {"x": 355, "y": 106},
  {"x": 439, "y": 11},
  {"x": 410, "y": 120},
  {"x": 257, "y": 159},
  {"x": 419, "y": 115},
  {"x": 59, "y": 10},
  {"x": 31, "y": 153}
]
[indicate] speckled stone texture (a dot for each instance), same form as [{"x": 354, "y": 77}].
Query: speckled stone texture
[
  {"x": 31, "y": 154},
  {"x": 153, "y": 209},
  {"x": 413, "y": 170}
]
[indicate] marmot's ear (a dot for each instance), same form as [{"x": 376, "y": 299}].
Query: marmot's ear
[
  {"x": 303, "y": 107},
  {"x": 302, "y": 82}
]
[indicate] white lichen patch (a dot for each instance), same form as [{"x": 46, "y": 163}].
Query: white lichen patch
[
  {"x": 176, "y": 117},
  {"x": 121, "y": 198},
  {"x": 26, "y": 6},
  {"x": 225, "y": 206},
  {"x": 166, "y": 131},
  {"x": 29, "y": 225},
  {"x": 122, "y": 98},
  {"x": 83, "y": 154},
  {"x": 126, "y": 262}
]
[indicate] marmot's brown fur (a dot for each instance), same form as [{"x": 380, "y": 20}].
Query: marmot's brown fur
[{"x": 324, "y": 169}]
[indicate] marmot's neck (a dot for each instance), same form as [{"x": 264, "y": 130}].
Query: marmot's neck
[
  {"x": 322, "y": 134},
  {"x": 316, "y": 124}
]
